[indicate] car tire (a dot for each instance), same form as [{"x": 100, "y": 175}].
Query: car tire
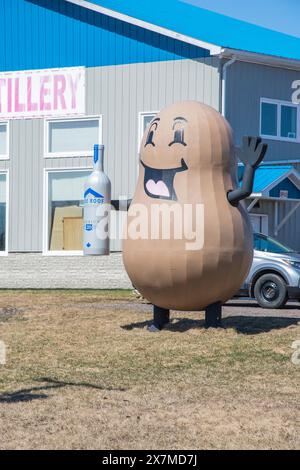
[{"x": 270, "y": 291}]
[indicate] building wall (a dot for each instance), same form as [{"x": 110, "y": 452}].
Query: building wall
[
  {"x": 129, "y": 70},
  {"x": 246, "y": 84},
  {"x": 297, "y": 166},
  {"x": 118, "y": 93},
  {"x": 289, "y": 233},
  {"x": 34, "y": 271}
]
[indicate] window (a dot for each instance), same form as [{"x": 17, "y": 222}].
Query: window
[
  {"x": 269, "y": 245},
  {"x": 72, "y": 137},
  {"x": 4, "y": 139},
  {"x": 279, "y": 120},
  {"x": 288, "y": 122},
  {"x": 3, "y": 212},
  {"x": 144, "y": 121},
  {"x": 268, "y": 119},
  {"x": 64, "y": 211}
]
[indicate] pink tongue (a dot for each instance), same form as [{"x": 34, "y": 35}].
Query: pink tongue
[{"x": 157, "y": 189}]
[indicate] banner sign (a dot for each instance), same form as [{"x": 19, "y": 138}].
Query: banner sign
[{"x": 39, "y": 93}]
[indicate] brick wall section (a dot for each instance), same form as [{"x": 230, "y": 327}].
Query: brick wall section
[{"x": 35, "y": 271}]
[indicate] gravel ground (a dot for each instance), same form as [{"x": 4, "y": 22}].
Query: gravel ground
[{"x": 250, "y": 307}]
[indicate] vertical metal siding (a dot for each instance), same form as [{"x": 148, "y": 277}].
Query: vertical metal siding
[
  {"x": 118, "y": 93},
  {"x": 246, "y": 84},
  {"x": 289, "y": 233}
]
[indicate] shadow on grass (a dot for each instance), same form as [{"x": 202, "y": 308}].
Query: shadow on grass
[
  {"x": 27, "y": 395},
  {"x": 246, "y": 325},
  {"x": 249, "y": 325},
  {"x": 6, "y": 313}
]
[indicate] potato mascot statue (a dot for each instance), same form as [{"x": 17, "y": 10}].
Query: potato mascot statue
[{"x": 187, "y": 185}]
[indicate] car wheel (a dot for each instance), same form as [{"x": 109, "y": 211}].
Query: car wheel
[{"x": 270, "y": 291}]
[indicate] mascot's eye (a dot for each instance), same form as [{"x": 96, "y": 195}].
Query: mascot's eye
[
  {"x": 178, "y": 134},
  {"x": 149, "y": 140}
]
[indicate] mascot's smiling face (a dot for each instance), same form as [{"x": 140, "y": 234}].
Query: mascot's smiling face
[
  {"x": 163, "y": 152},
  {"x": 184, "y": 145}
]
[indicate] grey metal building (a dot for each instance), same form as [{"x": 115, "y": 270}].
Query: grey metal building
[{"x": 78, "y": 72}]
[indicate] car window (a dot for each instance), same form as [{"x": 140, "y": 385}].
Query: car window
[{"x": 268, "y": 244}]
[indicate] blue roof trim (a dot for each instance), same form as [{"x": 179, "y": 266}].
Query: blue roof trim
[
  {"x": 266, "y": 176},
  {"x": 38, "y": 34},
  {"x": 205, "y": 25}
]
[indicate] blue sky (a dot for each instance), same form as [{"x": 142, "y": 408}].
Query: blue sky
[{"x": 279, "y": 15}]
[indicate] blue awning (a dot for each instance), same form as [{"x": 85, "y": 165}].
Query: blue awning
[{"x": 274, "y": 181}]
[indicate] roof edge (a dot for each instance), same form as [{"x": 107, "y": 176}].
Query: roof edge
[
  {"x": 291, "y": 174},
  {"x": 213, "y": 48},
  {"x": 261, "y": 59}
]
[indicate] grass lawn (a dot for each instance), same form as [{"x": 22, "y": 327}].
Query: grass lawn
[{"x": 82, "y": 372}]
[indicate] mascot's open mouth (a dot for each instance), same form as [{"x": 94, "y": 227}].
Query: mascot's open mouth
[{"x": 159, "y": 184}]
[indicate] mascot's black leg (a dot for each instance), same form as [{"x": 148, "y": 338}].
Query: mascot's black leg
[
  {"x": 161, "y": 316},
  {"x": 213, "y": 315}
]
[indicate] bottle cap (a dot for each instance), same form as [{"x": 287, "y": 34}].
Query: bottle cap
[{"x": 98, "y": 146}]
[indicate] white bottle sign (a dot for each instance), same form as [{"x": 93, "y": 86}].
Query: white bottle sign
[{"x": 96, "y": 212}]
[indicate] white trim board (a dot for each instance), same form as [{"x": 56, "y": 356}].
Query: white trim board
[
  {"x": 82, "y": 153},
  {"x": 46, "y": 251},
  {"x": 141, "y": 131},
  {"x": 6, "y": 155},
  {"x": 279, "y": 104},
  {"x": 213, "y": 48}
]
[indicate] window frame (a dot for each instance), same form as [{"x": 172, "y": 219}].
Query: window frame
[
  {"x": 279, "y": 104},
  {"x": 81, "y": 153},
  {"x": 5, "y": 251},
  {"x": 141, "y": 131},
  {"x": 46, "y": 251},
  {"x": 264, "y": 222},
  {"x": 6, "y": 155}
]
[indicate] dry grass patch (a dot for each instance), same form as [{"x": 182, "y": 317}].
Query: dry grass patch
[{"x": 83, "y": 372}]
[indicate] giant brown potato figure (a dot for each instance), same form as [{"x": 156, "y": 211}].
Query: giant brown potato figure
[{"x": 187, "y": 160}]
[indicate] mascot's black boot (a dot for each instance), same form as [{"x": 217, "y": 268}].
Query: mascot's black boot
[
  {"x": 213, "y": 315},
  {"x": 161, "y": 316}
]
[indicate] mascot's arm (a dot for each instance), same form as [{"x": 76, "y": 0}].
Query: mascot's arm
[
  {"x": 251, "y": 154},
  {"x": 121, "y": 205}
]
